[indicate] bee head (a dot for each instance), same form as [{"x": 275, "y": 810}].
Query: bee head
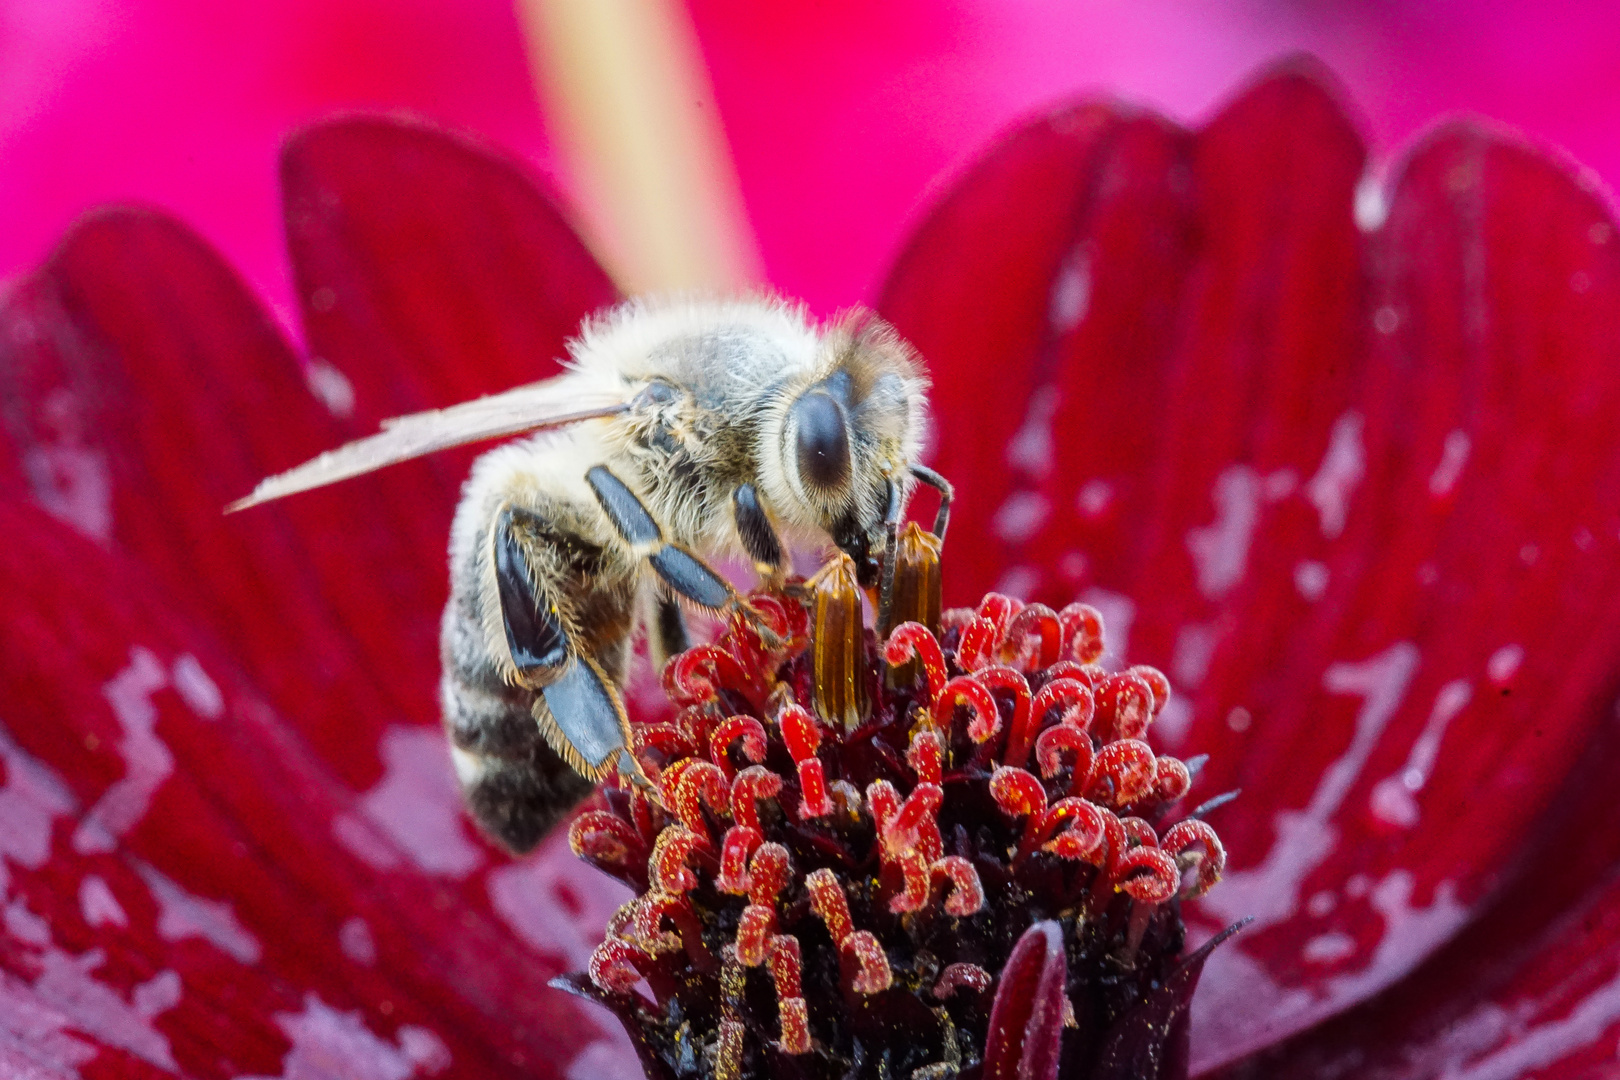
[{"x": 845, "y": 437}]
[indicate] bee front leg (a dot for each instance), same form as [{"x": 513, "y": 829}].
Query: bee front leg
[
  {"x": 757, "y": 534},
  {"x": 942, "y": 517},
  {"x": 684, "y": 573}
]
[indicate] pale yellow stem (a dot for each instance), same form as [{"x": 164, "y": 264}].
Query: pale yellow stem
[{"x": 625, "y": 88}]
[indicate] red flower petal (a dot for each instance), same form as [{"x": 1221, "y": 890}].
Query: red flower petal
[
  {"x": 1061, "y": 253},
  {"x": 1543, "y": 1005},
  {"x": 148, "y": 390},
  {"x": 1026, "y": 1020},
  {"x": 1354, "y": 492},
  {"x": 174, "y": 888},
  {"x": 429, "y": 269}
]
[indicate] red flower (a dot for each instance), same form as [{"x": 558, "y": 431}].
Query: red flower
[{"x": 1340, "y": 459}]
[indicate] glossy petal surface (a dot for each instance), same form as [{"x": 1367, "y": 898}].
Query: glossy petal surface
[
  {"x": 147, "y": 390},
  {"x": 182, "y": 888},
  {"x": 429, "y": 268},
  {"x": 1352, "y": 486}
]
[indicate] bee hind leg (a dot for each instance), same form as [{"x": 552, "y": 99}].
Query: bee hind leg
[
  {"x": 517, "y": 786},
  {"x": 584, "y": 718},
  {"x": 532, "y": 730}
]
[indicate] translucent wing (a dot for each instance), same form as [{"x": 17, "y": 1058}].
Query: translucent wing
[{"x": 524, "y": 409}]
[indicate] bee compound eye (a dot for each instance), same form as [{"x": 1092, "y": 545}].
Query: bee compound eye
[
  {"x": 655, "y": 393},
  {"x": 822, "y": 439}
]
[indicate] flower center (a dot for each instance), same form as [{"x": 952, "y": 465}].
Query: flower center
[{"x": 850, "y": 835}]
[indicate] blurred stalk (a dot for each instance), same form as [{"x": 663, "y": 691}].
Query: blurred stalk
[{"x": 624, "y": 87}]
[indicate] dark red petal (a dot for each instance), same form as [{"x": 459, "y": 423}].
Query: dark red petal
[
  {"x": 177, "y": 886},
  {"x": 1513, "y": 1005},
  {"x": 146, "y": 389},
  {"x": 429, "y": 269},
  {"x": 1026, "y": 1020},
  {"x": 1479, "y": 607},
  {"x": 1359, "y": 501},
  {"x": 1061, "y": 253}
]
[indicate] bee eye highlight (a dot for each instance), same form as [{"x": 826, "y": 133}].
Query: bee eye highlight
[{"x": 822, "y": 439}]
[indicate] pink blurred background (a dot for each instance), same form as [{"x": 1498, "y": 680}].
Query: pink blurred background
[{"x": 844, "y": 116}]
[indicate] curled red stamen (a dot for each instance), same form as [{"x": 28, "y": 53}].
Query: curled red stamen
[
  {"x": 613, "y": 966},
  {"x": 755, "y": 929},
  {"x": 792, "y": 1013},
  {"x": 786, "y": 965},
  {"x": 768, "y": 872},
  {"x": 665, "y": 738},
  {"x": 648, "y": 924},
  {"x": 694, "y": 723},
  {"x": 1033, "y": 638},
  {"x": 1079, "y": 704},
  {"x": 1147, "y": 874},
  {"x": 927, "y": 756},
  {"x": 803, "y": 738},
  {"x": 750, "y": 786},
  {"x": 915, "y": 822},
  {"x": 1082, "y": 632},
  {"x": 1122, "y": 773},
  {"x": 1053, "y": 743},
  {"x": 813, "y": 798},
  {"x": 746, "y": 728},
  {"x": 1072, "y": 829},
  {"x": 977, "y": 645},
  {"x": 1140, "y": 831},
  {"x": 1125, "y": 705},
  {"x": 1018, "y": 793},
  {"x": 872, "y": 972},
  {"x": 666, "y": 868},
  {"x": 1019, "y": 730},
  {"x": 701, "y": 783},
  {"x": 607, "y": 838},
  {"x": 700, "y": 673},
  {"x": 1193, "y": 843},
  {"x": 828, "y": 901},
  {"x": 968, "y": 691},
  {"x": 912, "y": 640},
  {"x": 1156, "y": 682},
  {"x": 739, "y": 843},
  {"x": 967, "y": 892},
  {"x": 1088, "y": 675},
  {"x": 1171, "y": 779},
  {"x": 913, "y": 894},
  {"x": 884, "y": 802},
  {"x": 957, "y": 976},
  {"x": 999, "y": 610},
  {"x": 799, "y": 731}
]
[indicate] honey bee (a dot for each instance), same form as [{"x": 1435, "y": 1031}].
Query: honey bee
[{"x": 679, "y": 429}]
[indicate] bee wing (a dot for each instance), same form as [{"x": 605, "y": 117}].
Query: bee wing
[{"x": 524, "y": 409}]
